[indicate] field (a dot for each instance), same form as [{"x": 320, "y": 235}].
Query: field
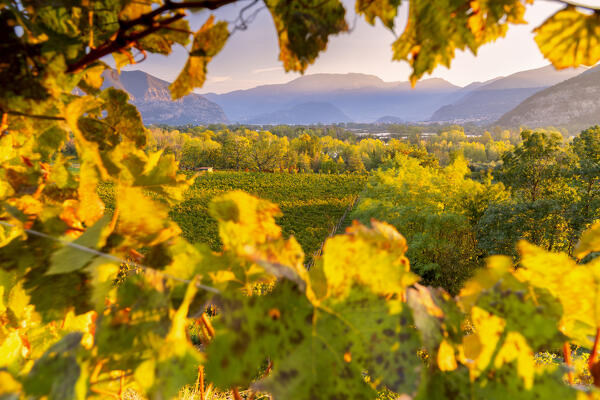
[{"x": 312, "y": 204}]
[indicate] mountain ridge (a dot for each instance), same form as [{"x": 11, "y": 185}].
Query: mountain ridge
[
  {"x": 488, "y": 101},
  {"x": 572, "y": 103},
  {"x": 362, "y": 97},
  {"x": 152, "y": 97}
]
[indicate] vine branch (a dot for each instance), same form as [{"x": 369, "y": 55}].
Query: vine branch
[
  {"x": 121, "y": 40},
  {"x": 35, "y": 116}
]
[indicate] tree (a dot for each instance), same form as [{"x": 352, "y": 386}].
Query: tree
[
  {"x": 437, "y": 210},
  {"x": 266, "y": 150},
  {"x": 236, "y": 151},
  {"x": 533, "y": 168},
  {"x": 354, "y": 162},
  {"x": 545, "y": 206},
  {"x": 587, "y": 171},
  {"x": 197, "y": 152}
]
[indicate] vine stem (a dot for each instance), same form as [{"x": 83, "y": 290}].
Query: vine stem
[
  {"x": 236, "y": 394},
  {"x": 568, "y": 362},
  {"x": 200, "y": 382},
  {"x": 594, "y": 353},
  {"x": 208, "y": 325}
]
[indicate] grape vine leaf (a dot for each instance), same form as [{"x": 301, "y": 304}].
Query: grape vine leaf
[
  {"x": 304, "y": 27},
  {"x": 431, "y": 38},
  {"x": 373, "y": 257},
  {"x": 575, "y": 286},
  {"x": 71, "y": 258},
  {"x": 253, "y": 328},
  {"x": 248, "y": 230},
  {"x": 176, "y": 360},
  {"x": 208, "y": 41},
  {"x": 378, "y": 335},
  {"x": 385, "y": 10},
  {"x": 56, "y": 373},
  {"x": 589, "y": 242},
  {"x": 570, "y": 38}
]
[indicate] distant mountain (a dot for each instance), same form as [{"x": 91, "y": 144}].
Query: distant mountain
[
  {"x": 361, "y": 97},
  {"x": 486, "y": 102},
  {"x": 388, "y": 119},
  {"x": 153, "y": 99},
  {"x": 303, "y": 114},
  {"x": 574, "y": 103}
]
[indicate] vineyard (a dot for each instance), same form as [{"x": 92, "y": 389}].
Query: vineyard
[{"x": 311, "y": 204}]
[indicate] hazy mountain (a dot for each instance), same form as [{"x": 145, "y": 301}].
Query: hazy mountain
[
  {"x": 303, "y": 114},
  {"x": 153, "y": 99},
  {"x": 486, "y": 102},
  {"x": 361, "y": 97},
  {"x": 574, "y": 103},
  {"x": 388, "y": 119}
]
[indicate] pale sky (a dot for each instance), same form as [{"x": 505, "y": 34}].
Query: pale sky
[{"x": 250, "y": 57}]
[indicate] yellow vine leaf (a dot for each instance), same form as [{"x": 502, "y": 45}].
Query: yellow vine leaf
[
  {"x": 484, "y": 279},
  {"x": 570, "y": 38},
  {"x": 435, "y": 30},
  {"x": 142, "y": 218},
  {"x": 90, "y": 208},
  {"x": 134, "y": 10},
  {"x": 445, "y": 358},
  {"x": 208, "y": 41},
  {"x": 10, "y": 349},
  {"x": 244, "y": 219},
  {"x": 577, "y": 287},
  {"x": 8, "y": 385},
  {"x": 479, "y": 347},
  {"x": 589, "y": 242},
  {"x": 516, "y": 348},
  {"x": 373, "y": 257},
  {"x": 248, "y": 229}
]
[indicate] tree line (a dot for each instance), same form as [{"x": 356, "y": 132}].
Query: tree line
[{"x": 330, "y": 149}]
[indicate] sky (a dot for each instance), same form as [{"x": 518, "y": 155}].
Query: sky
[{"x": 250, "y": 57}]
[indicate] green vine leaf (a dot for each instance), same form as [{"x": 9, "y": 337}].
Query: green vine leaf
[
  {"x": 385, "y": 10},
  {"x": 70, "y": 258},
  {"x": 304, "y": 27}
]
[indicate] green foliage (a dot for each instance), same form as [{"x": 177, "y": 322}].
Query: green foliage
[
  {"x": 553, "y": 195},
  {"x": 436, "y": 209}
]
